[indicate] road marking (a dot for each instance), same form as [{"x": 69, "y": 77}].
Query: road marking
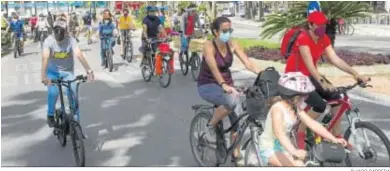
[{"x": 108, "y": 79}]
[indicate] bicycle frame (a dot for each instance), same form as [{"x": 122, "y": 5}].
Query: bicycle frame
[
  {"x": 73, "y": 99},
  {"x": 346, "y": 107}
]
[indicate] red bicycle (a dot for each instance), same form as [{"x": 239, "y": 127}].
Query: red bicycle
[{"x": 365, "y": 150}]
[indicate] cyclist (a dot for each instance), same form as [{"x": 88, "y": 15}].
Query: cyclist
[
  {"x": 125, "y": 24},
  {"x": 74, "y": 26},
  {"x": 58, "y": 61},
  {"x": 151, "y": 28},
  {"x": 33, "y": 23},
  {"x": 307, "y": 51},
  {"x": 17, "y": 28},
  {"x": 106, "y": 28},
  {"x": 215, "y": 77},
  {"x": 42, "y": 24},
  {"x": 188, "y": 20},
  {"x": 162, "y": 16},
  {"x": 276, "y": 148},
  {"x": 87, "y": 19}
]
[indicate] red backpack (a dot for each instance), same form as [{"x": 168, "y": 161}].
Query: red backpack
[{"x": 288, "y": 41}]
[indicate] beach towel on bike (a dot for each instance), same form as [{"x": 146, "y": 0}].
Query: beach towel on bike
[{"x": 263, "y": 90}]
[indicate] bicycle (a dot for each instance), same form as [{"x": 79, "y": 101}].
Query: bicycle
[
  {"x": 128, "y": 46},
  {"x": 107, "y": 52},
  {"x": 193, "y": 61},
  {"x": 148, "y": 62},
  {"x": 199, "y": 143},
  {"x": 17, "y": 48},
  {"x": 42, "y": 35},
  {"x": 65, "y": 122}
]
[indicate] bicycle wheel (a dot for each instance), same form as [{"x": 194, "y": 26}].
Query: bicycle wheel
[
  {"x": 369, "y": 153},
  {"x": 195, "y": 63},
  {"x": 183, "y": 63},
  {"x": 146, "y": 70},
  {"x": 78, "y": 144},
  {"x": 16, "y": 50},
  {"x": 129, "y": 51},
  {"x": 110, "y": 63},
  {"x": 165, "y": 74},
  {"x": 251, "y": 158},
  {"x": 351, "y": 30},
  {"x": 199, "y": 146},
  {"x": 62, "y": 125}
]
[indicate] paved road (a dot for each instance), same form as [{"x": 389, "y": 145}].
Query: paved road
[
  {"x": 358, "y": 43},
  {"x": 128, "y": 122}
]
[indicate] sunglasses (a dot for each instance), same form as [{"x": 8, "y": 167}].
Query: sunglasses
[{"x": 230, "y": 30}]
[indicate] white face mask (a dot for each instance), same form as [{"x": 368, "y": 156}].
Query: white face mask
[{"x": 106, "y": 21}]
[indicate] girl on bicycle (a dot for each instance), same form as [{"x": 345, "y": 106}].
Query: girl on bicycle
[
  {"x": 276, "y": 148},
  {"x": 215, "y": 82},
  {"x": 310, "y": 44}
]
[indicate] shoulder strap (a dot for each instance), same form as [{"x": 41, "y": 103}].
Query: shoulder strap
[{"x": 291, "y": 43}]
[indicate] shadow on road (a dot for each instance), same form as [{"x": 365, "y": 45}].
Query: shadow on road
[{"x": 139, "y": 124}]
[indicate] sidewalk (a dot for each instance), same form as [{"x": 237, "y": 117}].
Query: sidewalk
[
  {"x": 379, "y": 74},
  {"x": 360, "y": 29}
]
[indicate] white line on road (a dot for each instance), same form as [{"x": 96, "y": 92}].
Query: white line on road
[{"x": 110, "y": 80}]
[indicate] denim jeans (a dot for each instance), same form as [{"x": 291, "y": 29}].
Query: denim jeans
[
  {"x": 53, "y": 91},
  {"x": 102, "y": 49}
]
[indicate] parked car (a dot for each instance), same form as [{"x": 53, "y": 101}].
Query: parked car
[{"x": 227, "y": 13}]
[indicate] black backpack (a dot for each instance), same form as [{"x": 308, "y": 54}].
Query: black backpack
[{"x": 264, "y": 88}]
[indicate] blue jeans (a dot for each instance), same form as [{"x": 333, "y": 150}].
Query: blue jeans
[
  {"x": 102, "y": 48},
  {"x": 53, "y": 91}
]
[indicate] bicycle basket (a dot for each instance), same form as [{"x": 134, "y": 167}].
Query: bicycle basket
[
  {"x": 164, "y": 48},
  {"x": 256, "y": 103},
  {"x": 329, "y": 152}
]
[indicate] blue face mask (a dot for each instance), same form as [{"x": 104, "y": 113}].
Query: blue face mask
[{"x": 224, "y": 37}]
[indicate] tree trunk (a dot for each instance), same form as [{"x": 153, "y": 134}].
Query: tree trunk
[
  {"x": 331, "y": 29},
  {"x": 247, "y": 12},
  {"x": 35, "y": 8},
  {"x": 261, "y": 11},
  {"x": 250, "y": 10},
  {"x": 6, "y": 7},
  {"x": 214, "y": 9}
]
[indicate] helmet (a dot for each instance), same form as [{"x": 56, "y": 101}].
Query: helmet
[
  {"x": 295, "y": 83},
  {"x": 151, "y": 8},
  {"x": 317, "y": 18}
]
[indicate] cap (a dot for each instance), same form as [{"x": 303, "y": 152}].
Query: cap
[
  {"x": 317, "y": 17},
  {"x": 60, "y": 23}
]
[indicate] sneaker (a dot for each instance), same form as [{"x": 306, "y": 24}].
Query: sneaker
[{"x": 50, "y": 121}]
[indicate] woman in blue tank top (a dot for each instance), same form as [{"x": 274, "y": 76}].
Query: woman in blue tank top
[{"x": 215, "y": 77}]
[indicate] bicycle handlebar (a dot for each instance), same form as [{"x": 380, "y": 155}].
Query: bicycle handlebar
[
  {"x": 345, "y": 89},
  {"x": 82, "y": 78}
]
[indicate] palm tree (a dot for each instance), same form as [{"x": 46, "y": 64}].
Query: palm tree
[{"x": 296, "y": 16}]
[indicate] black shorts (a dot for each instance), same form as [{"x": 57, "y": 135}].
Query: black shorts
[{"x": 318, "y": 99}]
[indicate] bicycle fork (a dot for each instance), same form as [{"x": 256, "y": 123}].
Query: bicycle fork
[{"x": 353, "y": 121}]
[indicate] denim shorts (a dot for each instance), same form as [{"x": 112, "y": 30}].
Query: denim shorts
[{"x": 214, "y": 94}]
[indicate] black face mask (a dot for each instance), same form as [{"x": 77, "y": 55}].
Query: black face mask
[
  {"x": 151, "y": 16},
  {"x": 59, "y": 34}
]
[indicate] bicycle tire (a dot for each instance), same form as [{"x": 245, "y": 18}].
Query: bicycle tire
[
  {"x": 16, "y": 49},
  {"x": 130, "y": 54},
  {"x": 194, "y": 148},
  {"x": 77, "y": 135},
  {"x": 195, "y": 63},
  {"x": 165, "y": 71},
  {"x": 61, "y": 123},
  {"x": 351, "y": 30},
  {"x": 146, "y": 68},
  {"x": 183, "y": 63},
  {"x": 372, "y": 128},
  {"x": 109, "y": 60},
  {"x": 250, "y": 148}
]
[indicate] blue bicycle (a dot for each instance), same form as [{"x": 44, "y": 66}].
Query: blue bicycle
[
  {"x": 107, "y": 52},
  {"x": 66, "y": 123}
]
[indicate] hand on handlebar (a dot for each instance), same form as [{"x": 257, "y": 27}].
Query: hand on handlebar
[
  {"x": 46, "y": 82},
  {"x": 91, "y": 77},
  {"x": 362, "y": 80},
  {"x": 229, "y": 89}
]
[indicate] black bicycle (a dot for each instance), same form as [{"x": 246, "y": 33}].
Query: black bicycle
[
  {"x": 42, "y": 35},
  {"x": 107, "y": 52},
  {"x": 128, "y": 46},
  {"x": 65, "y": 122},
  {"x": 199, "y": 143},
  {"x": 193, "y": 61},
  {"x": 17, "y": 48},
  {"x": 148, "y": 62}
]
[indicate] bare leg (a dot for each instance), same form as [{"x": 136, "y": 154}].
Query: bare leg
[
  {"x": 337, "y": 127},
  {"x": 220, "y": 113},
  {"x": 282, "y": 160}
]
